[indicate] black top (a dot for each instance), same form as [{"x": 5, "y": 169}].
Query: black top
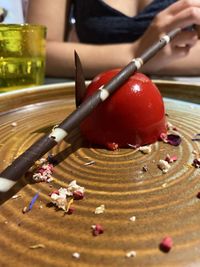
[{"x": 98, "y": 23}]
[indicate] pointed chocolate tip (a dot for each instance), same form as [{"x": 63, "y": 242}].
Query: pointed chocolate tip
[{"x": 80, "y": 87}]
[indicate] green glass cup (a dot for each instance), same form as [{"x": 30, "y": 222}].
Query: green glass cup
[{"x": 22, "y": 56}]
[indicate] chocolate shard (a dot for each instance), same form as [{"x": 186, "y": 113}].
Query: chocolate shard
[{"x": 80, "y": 87}]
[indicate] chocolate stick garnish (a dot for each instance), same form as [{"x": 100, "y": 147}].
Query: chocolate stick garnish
[{"x": 22, "y": 164}]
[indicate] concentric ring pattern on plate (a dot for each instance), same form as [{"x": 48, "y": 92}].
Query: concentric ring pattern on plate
[{"x": 164, "y": 204}]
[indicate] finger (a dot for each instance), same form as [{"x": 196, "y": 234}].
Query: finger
[
  {"x": 180, "y": 51},
  {"x": 187, "y": 17},
  {"x": 181, "y": 5},
  {"x": 183, "y": 19},
  {"x": 185, "y": 38}
]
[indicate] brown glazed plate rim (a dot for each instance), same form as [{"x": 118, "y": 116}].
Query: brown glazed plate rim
[{"x": 71, "y": 84}]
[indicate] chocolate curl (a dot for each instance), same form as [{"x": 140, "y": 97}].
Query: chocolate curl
[{"x": 21, "y": 165}]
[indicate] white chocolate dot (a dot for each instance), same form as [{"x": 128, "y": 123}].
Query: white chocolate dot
[
  {"x": 104, "y": 94},
  {"x": 138, "y": 62},
  {"x": 5, "y": 184},
  {"x": 58, "y": 134},
  {"x": 166, "y": 38}
]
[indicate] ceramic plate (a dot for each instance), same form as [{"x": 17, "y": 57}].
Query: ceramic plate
[{"x": 163, "y": 204}]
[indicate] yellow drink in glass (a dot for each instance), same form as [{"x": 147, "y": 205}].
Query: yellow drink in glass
[{"x": 22, "y": 56}]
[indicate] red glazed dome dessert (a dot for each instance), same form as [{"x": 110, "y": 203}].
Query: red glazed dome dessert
[{"x": 133, "y": 115}]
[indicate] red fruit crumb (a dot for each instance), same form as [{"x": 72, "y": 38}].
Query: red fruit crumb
[
  {"x": 112, "y": 146},
  {"x": 166, "y": 244},
  {"x": 77, "y": 195},
  {"x": 71, "y": 210},
  {"x": 170, "y": 159},
  {"x": 97, "y": 229},
  {"x": 163, "y": 137}
]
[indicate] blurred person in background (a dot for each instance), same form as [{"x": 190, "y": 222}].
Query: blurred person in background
[{"x": 108, "y": 34}]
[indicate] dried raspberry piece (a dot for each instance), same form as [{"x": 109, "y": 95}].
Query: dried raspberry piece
[
  {"x": 97, "y": 229},
  {"x": 77, "y": 195},
  {"x": 112, "y": 146},
  {"x": 71, "y": 210},
  {"x": 171, "y": 159},
  {"x": 166, "y": 244},
  {"x": 163, "y": 137}
]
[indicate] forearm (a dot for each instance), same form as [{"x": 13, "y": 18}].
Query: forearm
[
  {"x": 51, "y": 14},
  {"x": 94, "y": 58}
]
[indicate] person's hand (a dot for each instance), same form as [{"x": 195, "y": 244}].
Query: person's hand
[{"x": 181, "y": 14}]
